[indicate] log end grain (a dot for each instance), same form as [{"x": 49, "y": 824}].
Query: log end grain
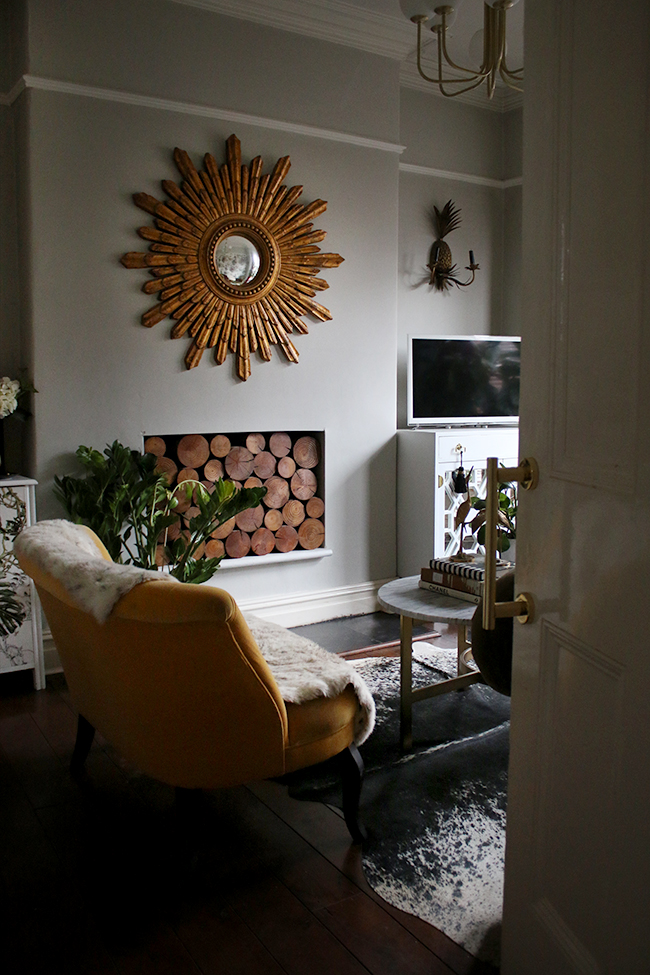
[
  {"x": 263, "y": 541},
  {"x": 255, "y": 442},
  {"x": 193, "y": 450},
  {"x": 238, "y": 544},
  {"x": 277, "y": 492},
  {"x": 303, "y": 484},
  {"x": 220, "y": 445},
  {"x": 280, "y": 444},
  {"x": 155, "y": 446},
  {"x": 306, "y": 452},
  {"x": 286, "y": 539},
  {"x": 311, "y": 534},
  {"x": 315, "y": 507},
  {"x": 239, "y": 463},
  {"x": 250, "y": 519}
]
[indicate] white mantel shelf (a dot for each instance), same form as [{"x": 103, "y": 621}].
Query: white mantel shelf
[{"x": 297, "y": 556}]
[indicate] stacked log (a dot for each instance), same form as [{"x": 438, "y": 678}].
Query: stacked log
[{"x": 289, "y": 465}]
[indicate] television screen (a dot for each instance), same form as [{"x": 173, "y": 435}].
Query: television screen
[{"x": 471, "y": 379}]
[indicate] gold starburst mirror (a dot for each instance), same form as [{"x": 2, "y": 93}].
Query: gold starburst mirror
[{"x": 234, "y": 258}]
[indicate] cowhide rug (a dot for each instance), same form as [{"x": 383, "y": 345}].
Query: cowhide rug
[{"x": 436, "y": 815}]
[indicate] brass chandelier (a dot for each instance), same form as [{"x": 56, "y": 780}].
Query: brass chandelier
[{"x": 493, "y": 65}]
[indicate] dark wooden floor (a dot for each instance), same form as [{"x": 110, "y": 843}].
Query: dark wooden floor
[{"x": 110, "y": 876}]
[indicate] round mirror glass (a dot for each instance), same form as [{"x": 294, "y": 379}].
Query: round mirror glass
[{"x": 237, "y": 259}]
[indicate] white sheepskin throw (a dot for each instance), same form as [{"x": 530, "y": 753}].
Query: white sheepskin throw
[
  {"x": 304, "y": 671},
  {"x": 66, "y": 551}
]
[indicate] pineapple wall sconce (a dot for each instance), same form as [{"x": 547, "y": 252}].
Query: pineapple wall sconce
[
  {"x": 443, "y": 271},
  {"x": 234, "y": 258}
]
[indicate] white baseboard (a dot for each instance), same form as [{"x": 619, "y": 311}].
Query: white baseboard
[
  {"x": 299, "y": 609},
  {"x": 292, "y": 610}
]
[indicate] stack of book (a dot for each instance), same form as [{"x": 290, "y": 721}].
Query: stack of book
[{"x": 463, "y": 580}]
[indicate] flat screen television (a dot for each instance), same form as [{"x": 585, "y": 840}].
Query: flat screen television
[{"x": 463, "y": 379}]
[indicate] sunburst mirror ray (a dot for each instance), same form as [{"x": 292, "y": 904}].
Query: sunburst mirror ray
[{"x": 233, "y": 257}]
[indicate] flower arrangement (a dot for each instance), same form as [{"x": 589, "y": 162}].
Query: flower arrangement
[
  {"x": 12, "y": 391},
  {"x": 9, "y": 390}
]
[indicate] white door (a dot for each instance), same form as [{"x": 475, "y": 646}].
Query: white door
[{"x": 578, "y": 840}]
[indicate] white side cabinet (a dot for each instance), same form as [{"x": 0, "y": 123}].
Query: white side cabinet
[
  {"x": 426, "y": 503},
  {"x": 21, "y": 635}
]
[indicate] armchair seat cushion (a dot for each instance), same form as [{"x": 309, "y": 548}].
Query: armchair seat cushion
[
  {"x": 306, "y": 673},
  {"x": 320, "y": 728}
]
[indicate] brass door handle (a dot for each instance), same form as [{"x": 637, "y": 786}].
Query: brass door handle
[{"x": 527, "y": 475}]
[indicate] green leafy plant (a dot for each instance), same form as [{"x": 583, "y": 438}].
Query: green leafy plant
[
  {"x": 506, "y": 517},
  {"x": 12, "y": 611},
  {"x": 131, "y": 507}
]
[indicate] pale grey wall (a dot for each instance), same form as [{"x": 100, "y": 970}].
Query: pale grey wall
[
  {"x": 10, "y": 337},
  {"x": 513, "y": 143},
  {"x": 512, "y": 202},
  {"x": 468, "y": 145},
  {"x": 10, "y": 331},
  {"x": 446, "y": 134},
  {"x": 102, "y": 376},
  {"x": 512, "y": 229},
  {"x": 159, "y": 48}
]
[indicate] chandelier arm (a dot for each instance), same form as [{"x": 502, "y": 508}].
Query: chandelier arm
[
  {"x": 440, "y": 80},
  {"x": 435, "y": 81},
  {"x": 440, "y": 30},
  {"x": 516, "y": 74},
  {"x": 507, "y": 76},
  {"x": 452, "y": 94},
  {"x": 507, "y": 79},
  {"x": 494, "y": 58}
]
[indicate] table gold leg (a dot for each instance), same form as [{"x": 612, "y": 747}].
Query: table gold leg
[
  {"x": 462, "y": 647},
  {"x": 406, "y": 680}
]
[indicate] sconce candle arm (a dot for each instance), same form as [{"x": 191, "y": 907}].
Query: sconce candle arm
[{"x": 441, "y": 279}]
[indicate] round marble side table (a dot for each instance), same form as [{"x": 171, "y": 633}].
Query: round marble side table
[{"x": 405, "y": 597}]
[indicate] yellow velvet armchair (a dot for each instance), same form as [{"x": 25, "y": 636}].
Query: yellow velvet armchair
[{"x": 174, "y": 679}]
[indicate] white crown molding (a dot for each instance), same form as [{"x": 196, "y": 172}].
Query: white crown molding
[
  {"x": 365, "y": 30},
  {"x": 497, "y": 184},
  {"x": 504, "y": 99},
  {"x": 328, "y": 20},
  {"x": 191, "y": 108},
  {"x": 343, "y": 23}
]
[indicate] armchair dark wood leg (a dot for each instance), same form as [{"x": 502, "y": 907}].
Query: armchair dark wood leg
[
  {"x": 351, "y": 766},
  {"x": 82, "y": 745}
]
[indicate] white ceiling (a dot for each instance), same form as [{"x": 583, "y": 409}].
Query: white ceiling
[{"x": 380, "y": 26}]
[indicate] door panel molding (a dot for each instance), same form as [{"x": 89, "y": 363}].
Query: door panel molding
[
  {"x": 573, "y": 952},
  {"x": 593, "y": 436},
  {"x": 584, "y": 760}
]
